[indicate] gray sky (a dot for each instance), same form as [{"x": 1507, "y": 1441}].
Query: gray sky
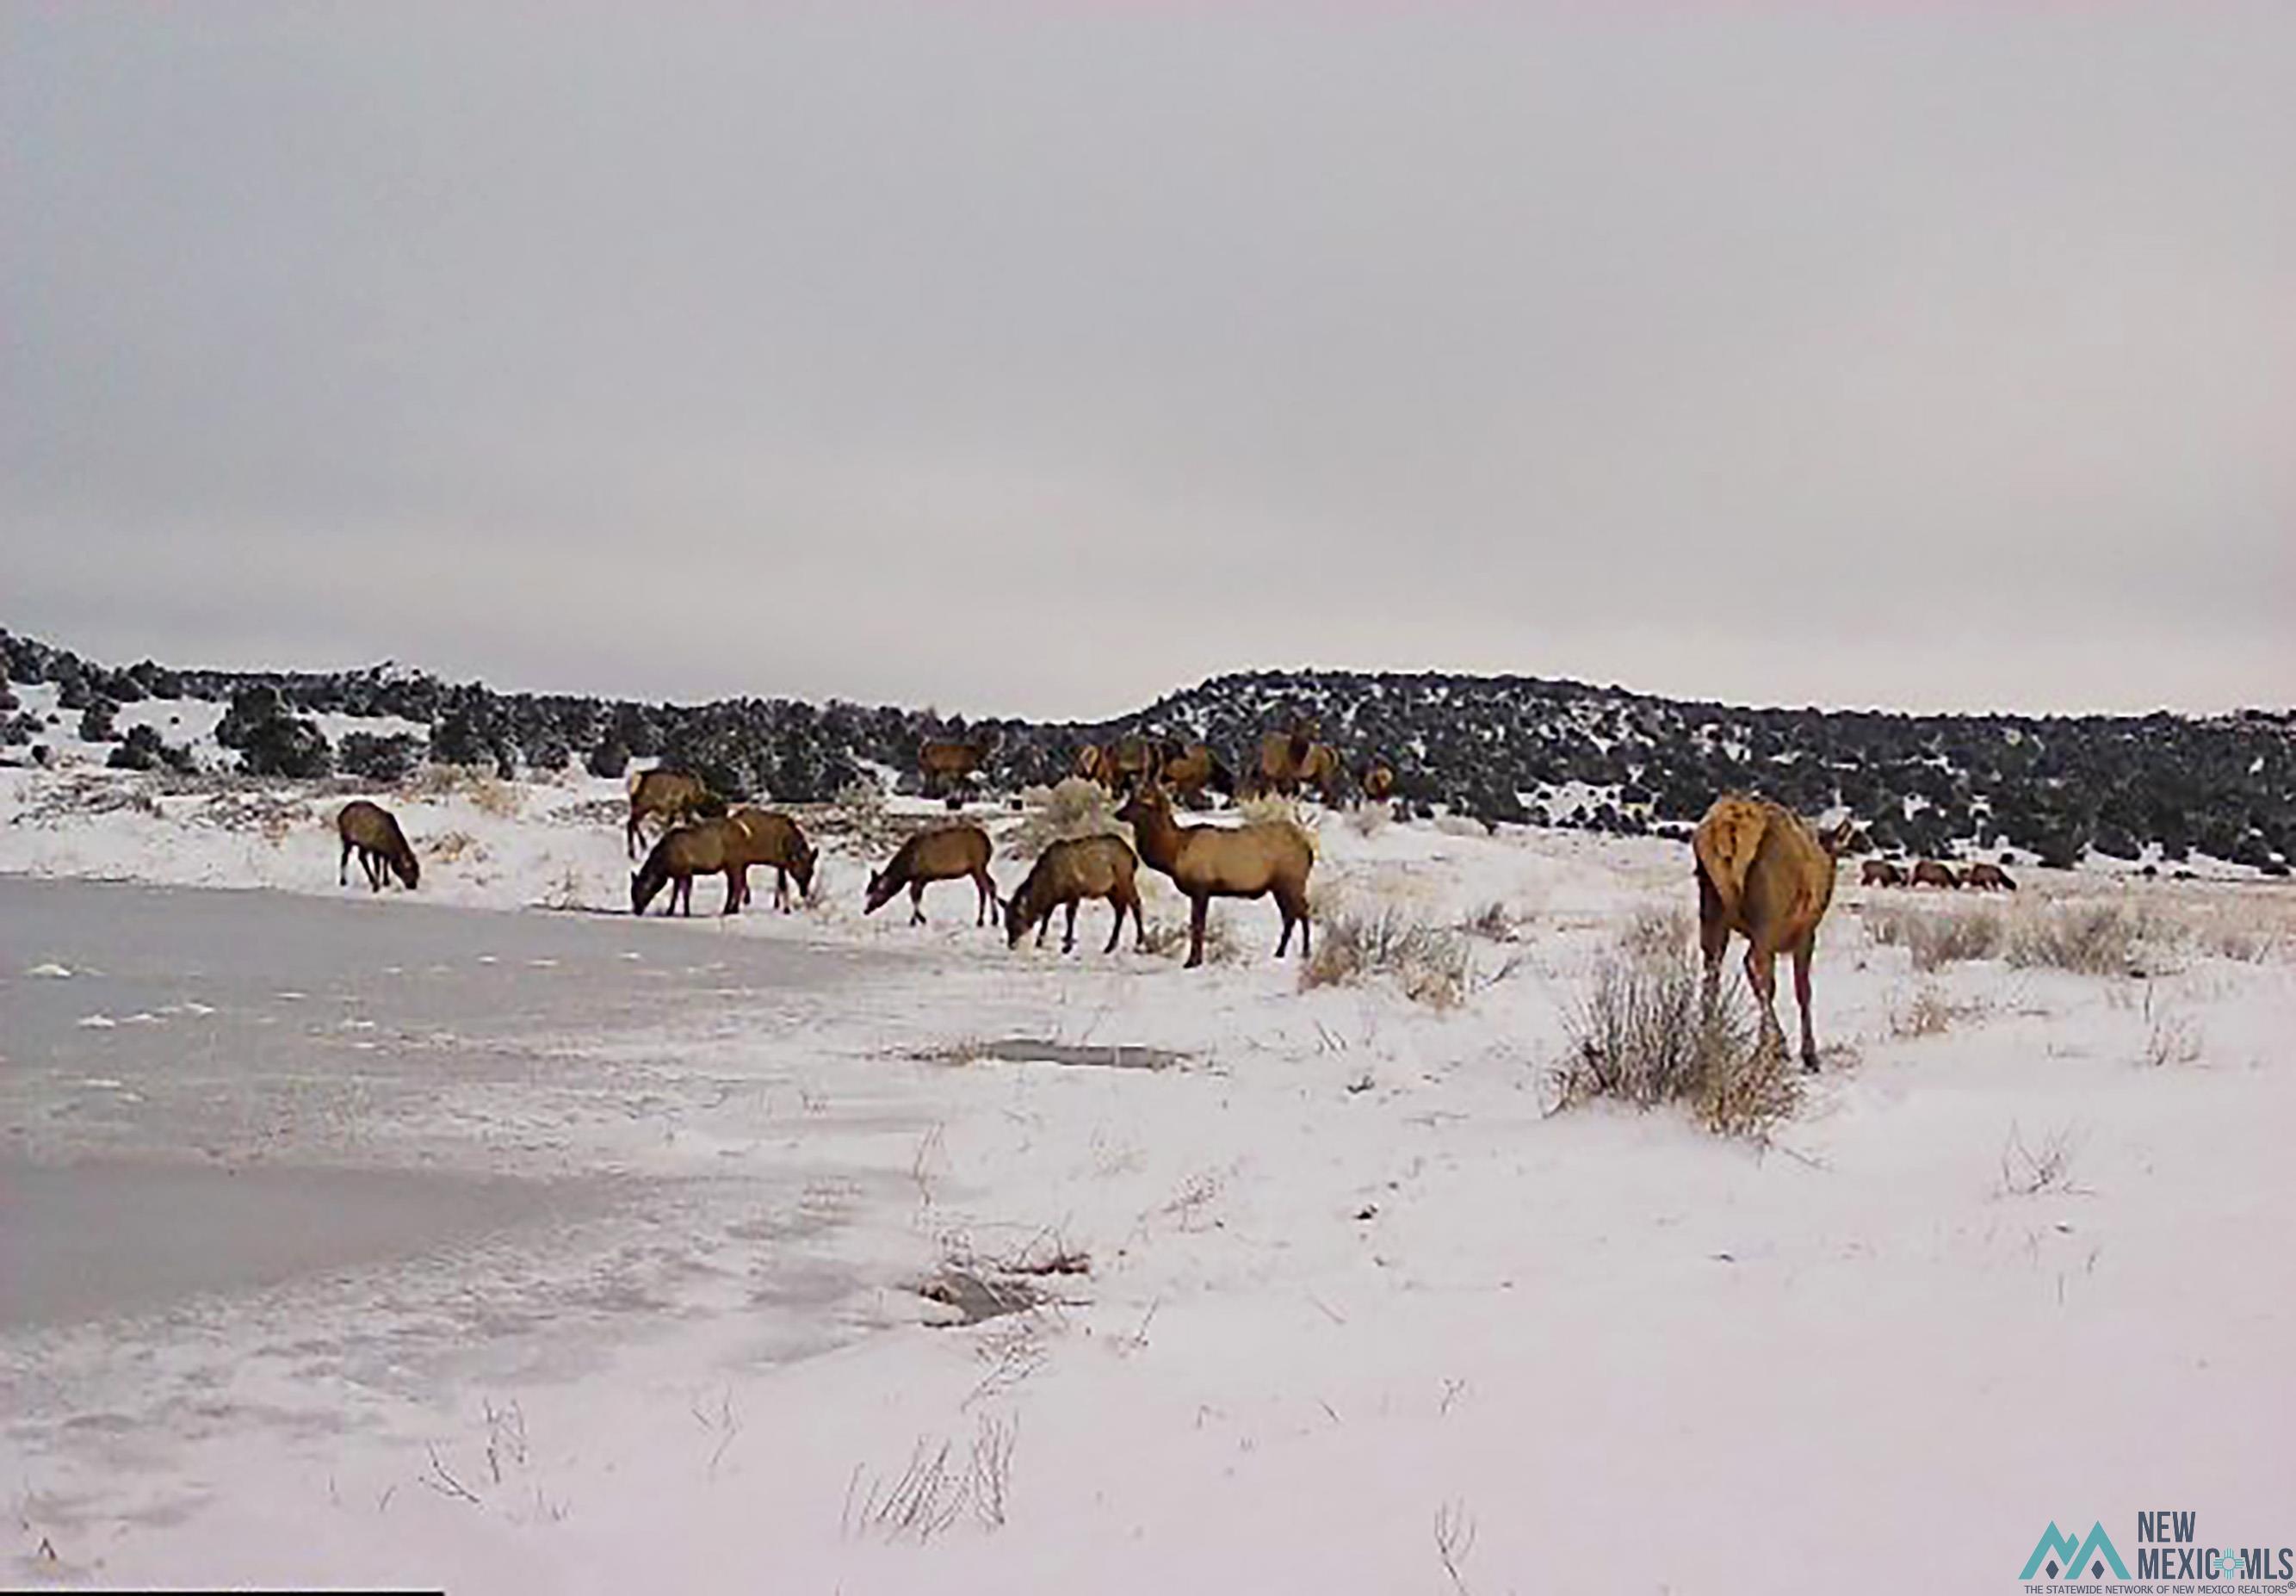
[{"x": 1037, "y": 360}]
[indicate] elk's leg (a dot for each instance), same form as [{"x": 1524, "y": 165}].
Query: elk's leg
[
  {"x": 1197, "y": 907},
  {"x": 1139, "y": 926},
  {"x": 630, "y": 834},
  {"x": 1713, "y": 939},
  {"x": 1803, "y": 951},
  {"x": 916, "y": 902},
  {"x": 1043, "y": 925},
  {"x": 737, "y": 888},
  {"x": 987, "y": 889},
  {"x": 1762, "y": 975},
  {"x": 373, "y": 864},
  {"x": 343, "y": 867},
  {"x": 1068, "y": 937},
  {"x": 781, "y": 888},
  {"x": 1115, "y": 902}
]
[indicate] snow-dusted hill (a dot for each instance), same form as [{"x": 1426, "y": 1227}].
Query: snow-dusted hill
[{"x": 2158, "y": 789}]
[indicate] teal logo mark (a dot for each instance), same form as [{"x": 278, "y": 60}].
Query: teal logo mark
[{"x": 2057, "y": 1550}]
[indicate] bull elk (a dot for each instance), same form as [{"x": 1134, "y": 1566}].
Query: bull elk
[
  {"x": 1765, "y": 875},
  {"x": 947, "y": 854},
  {"x": 370, "y": 829},
  {"x": 672, "y": 796},
  {"x": 1067, "y": 874},
  {"x": 1206, "y": 862}
]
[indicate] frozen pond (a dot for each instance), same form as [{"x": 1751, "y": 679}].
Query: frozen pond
[{"x": 210, "y": 1093}]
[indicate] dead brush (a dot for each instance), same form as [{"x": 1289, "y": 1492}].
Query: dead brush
[
  {"x": 1937, "y": 937},
  {"x": 937, "y": 1488},
  {"x": 448, "y": 846},
  {"x": 1498, "y": 921},
  {"x": 1433, "y": 964},
  {"x": 1167, "y": 939},
  {"x": 1071, "y": 809},
  {"x": 2101, "y": 939},
  {"x": 1643, "y": 1033},
  {"x": 1929, "y": 1013}
]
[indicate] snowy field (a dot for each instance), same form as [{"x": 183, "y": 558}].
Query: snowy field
[{"x": 487, "y": 1237}]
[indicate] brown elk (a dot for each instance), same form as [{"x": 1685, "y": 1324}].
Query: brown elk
[
  {"x": 760, "y": 836},
  {"x": 1765, "y": 875},
  {"x": 1190, "y": 770},
  {"x": 1880, "y": 873},
  {"x": 949, "y": 853},
  {"x": 944, "y": 762},
  {"x": 1206, "y": 862},
  {"x": 1929, "y": 872},
  {"x": 370, "y": 829},
  {"x": 1378, "y": 781},
  {"x": 1064, "y": 875},
  {"x": 1983, "y": 877},
  {"x": 672, "y": 796},
  {"x": 1292, "y": 760},
  {"x": 706, "y": 847}
]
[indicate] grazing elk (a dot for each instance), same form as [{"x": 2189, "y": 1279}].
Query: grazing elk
[
  {"x": 1880, "y": 873},
  {"x": 706, "y": 847},
  {"x": 1065, "y": 874},
  {"x": 1929, "y": 872},
  {"x": 1983, "y": 877},
  {"x": 944, "y": 763},
  {"x": 1206, "y": 862},
  {"x": 949, "y": 853},
  {"x": 1190, "y": 770},
  {"x": 1292, "y": 760},
  {"x": 760, "y": 836},
  {"x": 672, "y": 796},
  {"x": 370, "y": 829},
  {"x": 1765, "y": 875}
]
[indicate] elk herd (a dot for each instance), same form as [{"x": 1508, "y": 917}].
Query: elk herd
[{"x": 1763, "y": 874}]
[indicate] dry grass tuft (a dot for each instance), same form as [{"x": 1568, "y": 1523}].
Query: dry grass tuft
[
  {"x": 1430, "y": 963},
  {"x": 2088, "y": 938},
  {"x": 1071, "y": 809},
  {"x": 1938, "y": 936},
  {"x": 1643, "y": 1034},
  {"x": 448, "y": 846}
]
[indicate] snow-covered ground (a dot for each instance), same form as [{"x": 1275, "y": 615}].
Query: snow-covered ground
[{"x": 1353, "y": 1309}]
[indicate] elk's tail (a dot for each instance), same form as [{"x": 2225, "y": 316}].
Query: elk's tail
[{"x": 1725, "y": 842}]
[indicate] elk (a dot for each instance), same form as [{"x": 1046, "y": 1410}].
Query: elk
[
  {"x": 672, "y": 796},
  {"x": 1880, "y": 873},
  {"x": 1206, "y": 862},
  {"x": 1929, "y": 872},
  {"x": 1378, "y": 781},
  {"x": 370, "y": 829},
  {"x": 949, "y": 853},
  {"x": 1292, "y": 760},
  {"x": 944, "y": 761},
  {"x": 706, "y": 847},
  {"x": 760, "y": 836},
  {"x": 1765, "y": 875},
  {"x": 1982, "y": 877},
  {"x": 1064, "y": 875},
  {"x": 1192, "y": 769}
]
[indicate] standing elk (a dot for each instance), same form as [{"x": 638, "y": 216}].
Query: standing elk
[
  {"x": 945, "y": 762},
  {"x": 949, "y": 853},
  {"x": 370, "y": 829},
  {"x": 1190, "y": 770},
  {"x": 1206, "y": 862},
  {"x": 1378, "y": 781},
  {"x": 1983, "y": 877},
  {"x": 1765, "y": 875},
  {"x": 672, "y": 796},
  {"x": 1880, "y": 873},
  {"x": 1929, "y": 872},
  {"x": 700, "y": 848},
  {"x": 760, "y": 836},
  {"x": 1292, "y": 760},
  {"x": 1064, "y": 875}
]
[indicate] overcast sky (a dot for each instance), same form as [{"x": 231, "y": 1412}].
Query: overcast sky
[{"x": 1039, "y": 359}]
